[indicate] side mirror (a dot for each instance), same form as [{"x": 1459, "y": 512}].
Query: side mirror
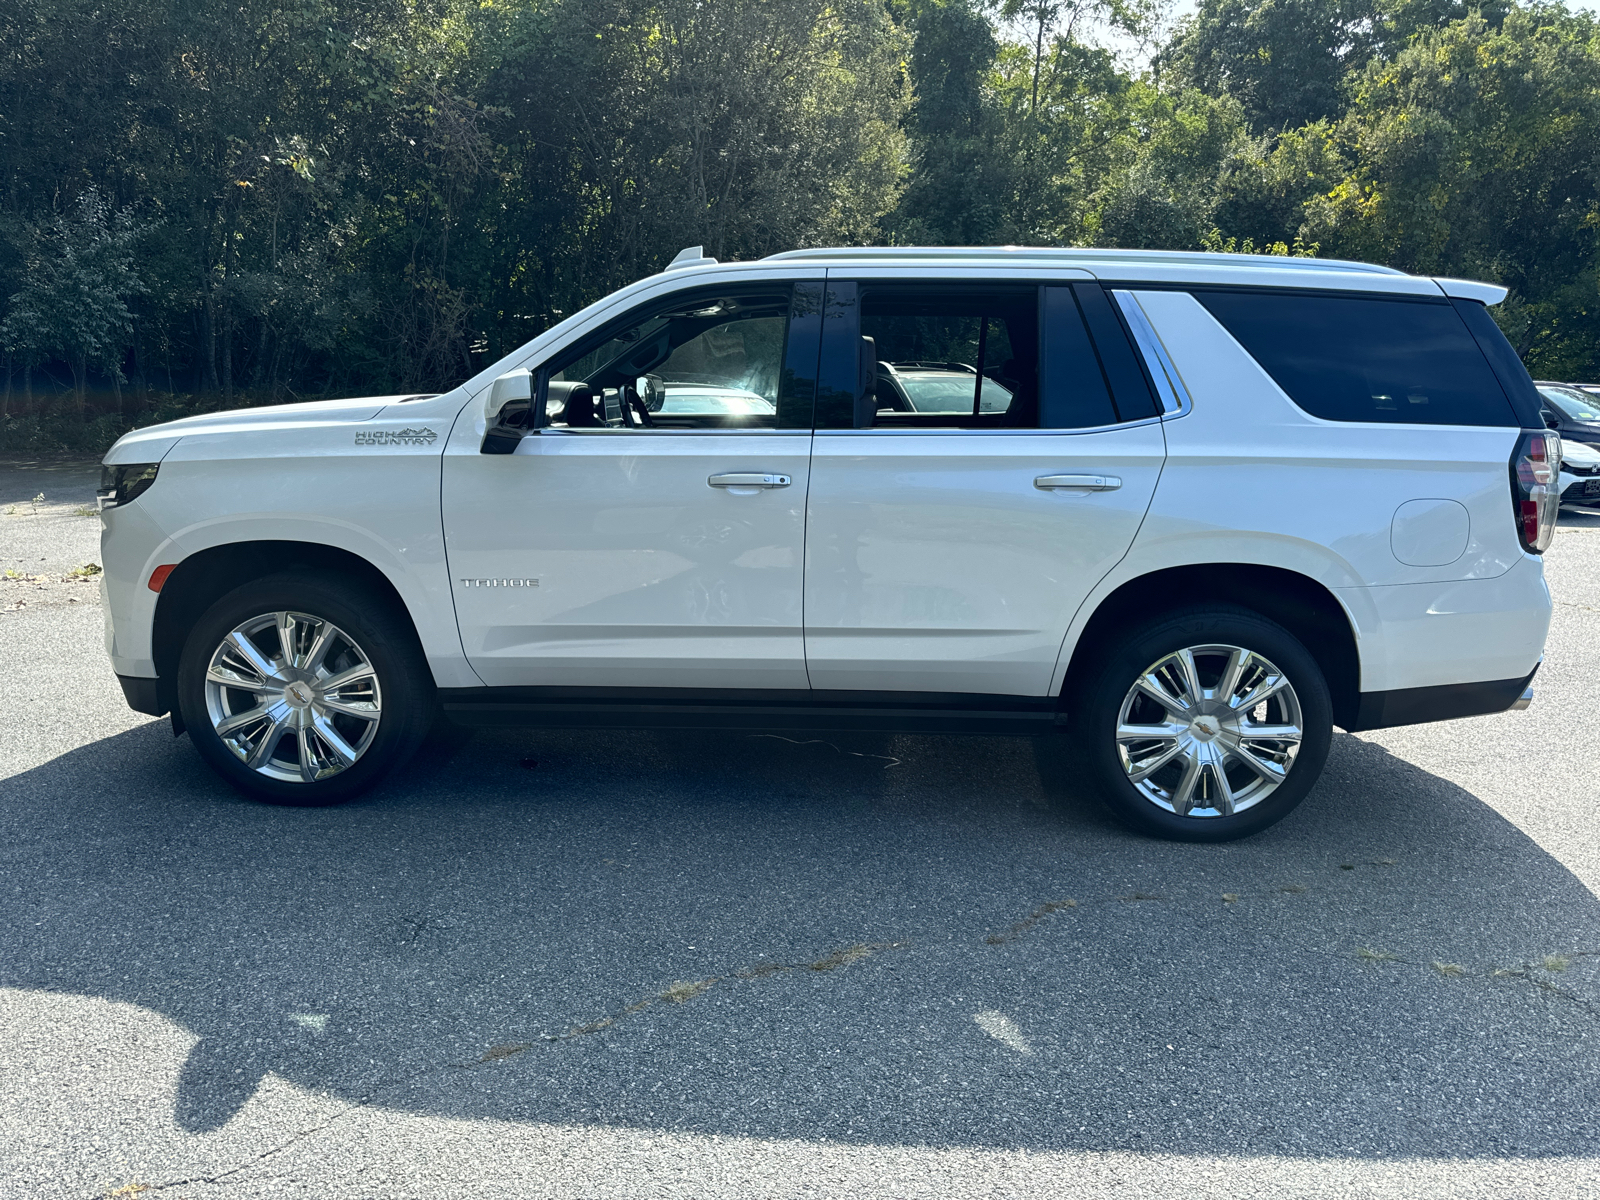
[
  {"x": 1551, "y": 421},
  {"x": 509, "y": 412}
]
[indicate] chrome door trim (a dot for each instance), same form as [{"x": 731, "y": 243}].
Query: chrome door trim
[{"x": 1175, "y": 401}]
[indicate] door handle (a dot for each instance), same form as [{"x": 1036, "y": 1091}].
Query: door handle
[
  {"x": 749, "y": 479},
  {"x": 1083, "y": 483}
]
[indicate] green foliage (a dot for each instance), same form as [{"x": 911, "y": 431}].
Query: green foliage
[
  {"x": 78, "y": 276},
  {"x": 250, "y": 204},
  {"x": 1283, "y": 60},
  {"x": 1474, "y": 152}
]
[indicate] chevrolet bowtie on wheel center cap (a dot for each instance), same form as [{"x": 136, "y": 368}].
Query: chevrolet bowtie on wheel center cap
[
  {"x": 1209, "y": 731},
  {"x": 293, "y": 696}
]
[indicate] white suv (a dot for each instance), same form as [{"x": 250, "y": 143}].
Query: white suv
[{"x": 1201, "y": 508}]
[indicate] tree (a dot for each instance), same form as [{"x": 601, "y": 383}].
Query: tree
[
  {"x": 74, "y": 303},
  {"x": 1476, "y": 152},
  {"x": 1050, "y": 21},
  {"x": 960, "y": 178},
  {"x": 1284, "y": 60}
]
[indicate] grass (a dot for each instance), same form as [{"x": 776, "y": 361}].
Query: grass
[
  {"x": 686, "y": 989},
  {"x": 1366, "y": 955},
  {"x": 1555, "y": 963},
  {"x": 87, "y": 571},
  {"x": 506, "y": 1051},
  {"x": 1039, "y": 914},
  {"x": 1448, "y": 969}
]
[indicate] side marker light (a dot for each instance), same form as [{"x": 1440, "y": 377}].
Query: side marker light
[{"x": 159, "y": 576}]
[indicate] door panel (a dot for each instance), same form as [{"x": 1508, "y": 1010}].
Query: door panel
[
  {"x": 934, "y": 563},
  {"x": 651, "y": 532},
  {"x": 622, "y": 566}
]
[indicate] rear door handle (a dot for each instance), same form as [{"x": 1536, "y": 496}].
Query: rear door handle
[
  {"x": 1082, "y": 483},
  {"x": 749, "y": 479}
]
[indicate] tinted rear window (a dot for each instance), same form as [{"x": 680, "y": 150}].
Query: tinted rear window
[{"x": 1362, "y": 358}]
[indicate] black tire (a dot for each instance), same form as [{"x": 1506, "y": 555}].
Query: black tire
[
  {"x": 1096, "y": 705},
  {"x": 369, "y": 628}
]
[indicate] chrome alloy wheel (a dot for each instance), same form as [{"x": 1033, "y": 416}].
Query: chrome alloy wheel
[
  {"x": 293, "y": 696},
  {"x": 1209, "y": 731}
]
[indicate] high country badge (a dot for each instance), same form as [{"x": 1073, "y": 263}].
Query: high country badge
[{"x": 397, "y": 437}]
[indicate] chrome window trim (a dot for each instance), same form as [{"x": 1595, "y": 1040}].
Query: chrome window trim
[
  {"x": 1174, "y": 394},
  {"x": 891, "y": 431},
  {"x": 589, "y": 430}
]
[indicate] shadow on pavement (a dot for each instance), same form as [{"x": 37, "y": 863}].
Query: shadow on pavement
[{"x": 853, "y": 939}]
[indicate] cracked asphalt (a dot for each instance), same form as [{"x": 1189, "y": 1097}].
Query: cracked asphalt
[{"x": 702, "y": 965}]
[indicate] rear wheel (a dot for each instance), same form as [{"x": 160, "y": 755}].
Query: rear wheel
[
  {"x": 1204, "y": 725},
  {"x": 300, "y": 690}
]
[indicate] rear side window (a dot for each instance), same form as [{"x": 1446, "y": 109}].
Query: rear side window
[
  {"x": 1088, "y": 379},
  {"x": 1365, "y": 358}
]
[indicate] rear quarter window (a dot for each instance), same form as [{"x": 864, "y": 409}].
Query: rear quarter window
[{"x": 1366, "y": 358}]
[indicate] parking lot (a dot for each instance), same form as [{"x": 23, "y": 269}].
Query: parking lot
[{"x": 592, "y": 964}]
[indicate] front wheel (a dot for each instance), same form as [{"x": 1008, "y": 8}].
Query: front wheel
[
  {"x": 301, "y": 690},
  {"x": 1205, "y": 725}
]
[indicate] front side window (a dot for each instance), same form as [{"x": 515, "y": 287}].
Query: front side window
[
  {"x": 707, "y": 361},
  {"x": 1366, "y": 358}
]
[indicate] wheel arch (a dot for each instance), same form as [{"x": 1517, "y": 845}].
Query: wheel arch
[
  {"x": 204, "y": 577},
  {"x": 1303, "y": 606}
]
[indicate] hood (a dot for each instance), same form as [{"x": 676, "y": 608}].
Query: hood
[
  {"x": 1578, "y": 454},
  {"x": 152, "y": 443}
]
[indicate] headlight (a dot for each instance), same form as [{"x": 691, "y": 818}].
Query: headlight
[{"x": 124, "y": 483}]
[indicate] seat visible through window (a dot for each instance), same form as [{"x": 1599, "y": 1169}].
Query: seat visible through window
[
  {"x": 953, "y": 357},
  {"x": 709, "y": 362}
]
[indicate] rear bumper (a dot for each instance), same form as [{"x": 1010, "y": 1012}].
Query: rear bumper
[
  {"x": 143, "y": 695},
  {"x": 1446, "y": 702}
]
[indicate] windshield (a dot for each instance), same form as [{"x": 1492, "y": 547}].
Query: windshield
[{"x": 1572, "y": 404}]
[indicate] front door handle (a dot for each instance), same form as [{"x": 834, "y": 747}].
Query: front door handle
[
  {"x": 749, "y": 479},
  {"x": 1081, "y": 483}
]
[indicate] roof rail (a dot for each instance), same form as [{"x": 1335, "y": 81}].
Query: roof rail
[{"x": 1064, "y": 255}]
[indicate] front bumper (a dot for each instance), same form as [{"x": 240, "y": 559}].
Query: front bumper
[
  {"x": 1581, "y": 489},
  {"x": 143, "y": 695}
]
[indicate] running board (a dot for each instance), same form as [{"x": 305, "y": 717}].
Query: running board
[{"x": 751, "y": 709}]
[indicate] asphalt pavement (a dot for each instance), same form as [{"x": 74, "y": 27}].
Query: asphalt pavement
[{"x": 603, "y": 964}]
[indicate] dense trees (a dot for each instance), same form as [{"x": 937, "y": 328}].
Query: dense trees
[{"x": 204, "y": 205}]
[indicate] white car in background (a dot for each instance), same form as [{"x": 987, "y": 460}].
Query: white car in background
[
  {"x": 1200, "y": 509},
  {"x": 1580, "y": 473}
]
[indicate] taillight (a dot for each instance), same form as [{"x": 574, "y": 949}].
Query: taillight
[{"x": 1536, "y": 487}]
